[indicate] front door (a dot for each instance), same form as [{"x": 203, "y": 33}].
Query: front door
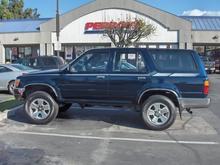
[
  {"x": 129, "y": 75},
  {"x": 86, "y": 78}
]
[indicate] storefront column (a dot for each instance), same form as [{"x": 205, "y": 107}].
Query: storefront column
[
  {"x": 42, "y": 49},
  {"x": 185, "y": 45},
  {"x": 189, "y": 46},
  {"x": 2, "y": 54},
  {"x": 50, "y": 49}
]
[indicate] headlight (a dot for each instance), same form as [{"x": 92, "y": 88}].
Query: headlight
[{"x": 17, "y": 83}]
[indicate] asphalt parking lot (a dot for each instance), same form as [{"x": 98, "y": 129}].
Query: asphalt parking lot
[{"x": 109, "y": 136}]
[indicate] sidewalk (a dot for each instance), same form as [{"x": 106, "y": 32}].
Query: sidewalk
[{"x": 5, "y": 97}]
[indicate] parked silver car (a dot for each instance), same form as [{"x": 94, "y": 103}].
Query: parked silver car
[{"x": 9, "y": 73}]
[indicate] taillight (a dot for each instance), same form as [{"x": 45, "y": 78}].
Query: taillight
[{"x": 206, "y": 87}]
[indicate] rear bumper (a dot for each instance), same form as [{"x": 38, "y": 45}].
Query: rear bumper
[{"x": 194, "y": 102}]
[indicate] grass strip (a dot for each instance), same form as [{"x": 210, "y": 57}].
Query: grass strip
[{"x": 6, "y": 105}]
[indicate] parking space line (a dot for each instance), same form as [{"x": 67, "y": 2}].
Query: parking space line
[{"x": 117, "y": 138}]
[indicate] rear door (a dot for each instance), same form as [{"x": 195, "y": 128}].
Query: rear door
[{"x": 129, "y": 75}]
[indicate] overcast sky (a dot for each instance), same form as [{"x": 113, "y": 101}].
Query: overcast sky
[{"x": 179, "y": 7}]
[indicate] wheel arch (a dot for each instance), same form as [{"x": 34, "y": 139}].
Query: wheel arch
[
  {"x": 9, "y": 82},
  {"x": 171, "y": 94},
  {"x": 41, "y": 87}
]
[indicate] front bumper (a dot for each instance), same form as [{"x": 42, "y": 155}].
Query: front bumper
[
  {"x": 19, "y": 93},
  {"x": 194, "y": 102}
]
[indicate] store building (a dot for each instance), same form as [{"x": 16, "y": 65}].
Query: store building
[{"x": 80, "y": 30}]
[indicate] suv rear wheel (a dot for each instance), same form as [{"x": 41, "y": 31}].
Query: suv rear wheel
[
  {"x": 158, "y": 112},
  {"x": 41, "y": 108}
]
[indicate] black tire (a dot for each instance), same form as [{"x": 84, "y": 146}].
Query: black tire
[
  {"x": 52, "y": 114},
  {"x": 162, "y": 101},
  {"x": 64, "y": 107},
  {"x": 11, "y": 85}
]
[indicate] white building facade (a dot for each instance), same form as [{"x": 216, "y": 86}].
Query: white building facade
[{"x": 80, "y": 31}]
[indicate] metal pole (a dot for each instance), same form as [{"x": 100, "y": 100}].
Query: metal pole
[{"x": 58, "y": 26}]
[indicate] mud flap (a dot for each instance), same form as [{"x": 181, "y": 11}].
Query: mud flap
[
  {"x": 187, "y": 110},
  {"x": 180, "y": 112}
]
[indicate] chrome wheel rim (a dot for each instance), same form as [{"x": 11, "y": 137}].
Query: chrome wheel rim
[
  {"x": 158, "y": 114},
  {"x": 39, "y": 109}
]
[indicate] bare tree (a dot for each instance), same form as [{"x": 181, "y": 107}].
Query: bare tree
[{"x": 128, "y": 33}]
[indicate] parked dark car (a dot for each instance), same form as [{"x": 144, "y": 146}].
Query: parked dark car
[
  {"x": 209, "y": 64},
  {"x": 215, "y": 54},
  {"x": 153, "y": 82},
  {"x": 42, "y": 62}
]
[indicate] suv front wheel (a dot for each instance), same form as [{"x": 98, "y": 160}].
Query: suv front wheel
[
  {"x": 41, "y": 108},
  {"x": 158, "y": 112}
]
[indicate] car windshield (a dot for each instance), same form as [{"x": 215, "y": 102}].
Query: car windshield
[{"x": 21, "y": 67}]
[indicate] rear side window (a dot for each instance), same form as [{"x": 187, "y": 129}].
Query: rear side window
[
  {"x": 129, "y": 63},
  {"x": 173, "y": 61}
]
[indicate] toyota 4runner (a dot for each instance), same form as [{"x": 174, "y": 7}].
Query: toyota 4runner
[{"x": 155, "y": 82}]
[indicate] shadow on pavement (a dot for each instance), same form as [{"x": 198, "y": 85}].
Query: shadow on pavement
[
  {"x": 98, "y": 117},
  {"x": 5, "y": 93}
]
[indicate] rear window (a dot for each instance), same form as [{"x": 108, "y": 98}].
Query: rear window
[
  {"x": 49, "y": 61},
  {"x": 173, "y": 61}
]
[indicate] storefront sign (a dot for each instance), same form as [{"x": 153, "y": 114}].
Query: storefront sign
[{"x": 99, "y": 27}]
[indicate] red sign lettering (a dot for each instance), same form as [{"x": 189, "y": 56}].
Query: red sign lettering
[{"x": 94, "y": 27}]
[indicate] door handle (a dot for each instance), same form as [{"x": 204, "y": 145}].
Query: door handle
[
  {"x": 100, "y": 77},
  {"x": 141, "y": 78}
]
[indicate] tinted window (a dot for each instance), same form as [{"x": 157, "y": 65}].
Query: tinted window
[
  {"x": 49, "y": 62},
  {"x": 21, "y": 67},
  {"x": 129, "y": 63},
  {"x": 173, "y": 61},
  {"x": 96, "y": 62},
  {"x": 4, "y": 69}
]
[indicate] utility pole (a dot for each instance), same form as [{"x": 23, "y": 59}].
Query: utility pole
[{"x": 58, "y": 28}]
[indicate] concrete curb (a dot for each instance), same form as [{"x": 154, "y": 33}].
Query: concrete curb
[
  {"x": 7, "y": 100},
  {"x": 8, "y": 113}
]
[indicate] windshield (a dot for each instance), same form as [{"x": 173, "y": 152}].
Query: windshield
[{"x": 21, "y": 67}]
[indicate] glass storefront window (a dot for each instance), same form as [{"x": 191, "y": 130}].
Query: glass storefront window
[
  {"x": 213, "y": 51},
  {"x": 152, "y": 46},
  {"x": 163, "y": 46},
  {"x": 173, "y": 46},
  {"x": 13, "y": 53},
  {"x": 200, "y": 49},
  {"x": 70, "y": 52},
  {"x": 27, "y": 51},
  {"x": 142, "y": 46}
]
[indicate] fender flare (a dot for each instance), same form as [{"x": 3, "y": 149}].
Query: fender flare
[
  {"x": 43, "y": 84},
  {"x": 157, "y": 89}
]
